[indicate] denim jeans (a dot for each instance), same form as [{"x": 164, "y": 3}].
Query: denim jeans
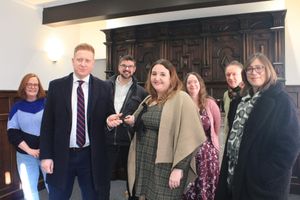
[{"x": 29, "y": 172}]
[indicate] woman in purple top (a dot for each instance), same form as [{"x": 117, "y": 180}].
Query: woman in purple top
[
  {"x": 207, "y": 157},
  {"x": 23, "y": 130}
]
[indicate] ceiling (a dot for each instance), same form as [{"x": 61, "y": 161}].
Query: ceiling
[
  {"x": 47, "y": 3},
  {"x": 64, "y": 12}
]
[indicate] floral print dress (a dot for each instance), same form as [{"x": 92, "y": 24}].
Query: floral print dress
[{"x": 207, "y": 164}]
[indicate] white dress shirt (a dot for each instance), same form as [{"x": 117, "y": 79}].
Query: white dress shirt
[
  {"x": 85, "y": 88},
  {"x": 120, "y": 94}
]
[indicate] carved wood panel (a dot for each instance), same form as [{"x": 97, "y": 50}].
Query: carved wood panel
[
  {"x": 186, "y": 55},
  {"x": 294, "y": 92},
  {"x": 224, "y": 49},
  {"x": 203, "y": 45},
  {"x": 9, "y": 178},
  {"x": 146, "y": 54}
]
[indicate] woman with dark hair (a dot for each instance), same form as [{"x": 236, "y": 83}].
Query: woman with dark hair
[
  {"x": 23, "y": 129},
  {"x": 207, "y": 157},
  {"x": 264, "y": 140},
  {"x": 168, "y": 132}
]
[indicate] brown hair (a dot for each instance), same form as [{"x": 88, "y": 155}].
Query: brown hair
[
  {"x": 21, "y": 91},
  {"x": 127, "y": 57},
  {"x": 271, "y": 76},
  {"x": 84, "y": 46},
  {"x": 202, "y": 95},
  {"x": 175, "y": 83}
]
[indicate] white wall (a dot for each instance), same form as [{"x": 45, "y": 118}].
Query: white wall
[
  {"x": 292, "y": 42},
  {"x": 23, "y": 38},
  {"x": 22, "y": 45}
]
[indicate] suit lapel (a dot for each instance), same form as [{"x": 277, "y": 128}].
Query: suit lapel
[
  {"x": 67, "y": 90},
  {"x": 93, "y": 94}
]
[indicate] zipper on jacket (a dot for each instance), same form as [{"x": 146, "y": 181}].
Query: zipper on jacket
[{"x": 129, "y": 135}]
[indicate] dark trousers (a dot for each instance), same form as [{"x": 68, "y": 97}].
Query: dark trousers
[
  {"x": 80, "y": 167},
  {"x": 117, "y": 160}
]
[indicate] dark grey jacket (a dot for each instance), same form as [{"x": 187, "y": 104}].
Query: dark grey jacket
[
  {"x": 136, "y": 94},
  {"x": 269, "y": 147}
]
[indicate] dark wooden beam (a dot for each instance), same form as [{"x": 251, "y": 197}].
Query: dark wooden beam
[{"x": 92, "y": 10}]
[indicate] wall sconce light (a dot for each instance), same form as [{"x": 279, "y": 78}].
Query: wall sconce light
[{"x": 54, "y": 49}]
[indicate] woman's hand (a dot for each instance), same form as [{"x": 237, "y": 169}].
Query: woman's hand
[
  {"x": 114, "y": 120},
  {"x": 129, "y": 119},
  {"x": 175, "y": 177},
  {"x": 34, "y": 152}
]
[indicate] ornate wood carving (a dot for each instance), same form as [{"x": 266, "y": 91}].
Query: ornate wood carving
[{"x": 203, "y": 45}]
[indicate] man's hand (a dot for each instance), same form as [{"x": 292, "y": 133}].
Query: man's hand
[
  {"x": 47, "y": 165},
  {"x": 129, "y": 119},
  {"x": 114, "y": 120}
]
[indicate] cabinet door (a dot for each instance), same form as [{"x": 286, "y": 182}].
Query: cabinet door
[
  {"x": 270, "y": 43},
  {"x": 186, "y": 55},
  {"x": 146, "y": 53},
  {"x": 262, "y": 41},
  {"x": 223, "y": 49}
]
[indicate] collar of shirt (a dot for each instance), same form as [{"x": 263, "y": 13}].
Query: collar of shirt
[
  {"x": 123, "y": 85},
  {"x": 85, "y": 79}
]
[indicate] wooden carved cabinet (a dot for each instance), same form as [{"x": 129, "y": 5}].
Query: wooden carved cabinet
[{"x": 204, "y": 45}]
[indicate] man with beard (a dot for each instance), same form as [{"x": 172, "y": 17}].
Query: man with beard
[{"x": 127, "y": 95}]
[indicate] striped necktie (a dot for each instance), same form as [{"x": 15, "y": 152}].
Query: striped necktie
[{"x": 80, "y": 129}]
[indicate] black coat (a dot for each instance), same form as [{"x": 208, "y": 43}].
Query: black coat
[
  {"x": 269, "y": 147},
  {"x": 56, "y": 129},
  {"x": 136, "y": 94}
]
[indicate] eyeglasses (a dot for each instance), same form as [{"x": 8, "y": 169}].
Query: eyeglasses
[
  {"x": 126, "y": 66},
  {"x": 32, "y": 85},
  {"x": 257, "y": 68}
]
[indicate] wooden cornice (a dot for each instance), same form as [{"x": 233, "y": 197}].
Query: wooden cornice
[{"x": 93, "y": 10}]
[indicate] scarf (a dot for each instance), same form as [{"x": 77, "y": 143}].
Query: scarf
[
  {"x": 234, "y": 92},
  {"x": 242, "y": 114}
]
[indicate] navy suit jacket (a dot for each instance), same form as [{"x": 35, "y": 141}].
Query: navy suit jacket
[{"x": 56, "y": 128}]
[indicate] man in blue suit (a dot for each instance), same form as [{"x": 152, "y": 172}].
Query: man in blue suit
[{"x": 67, "y": 152}]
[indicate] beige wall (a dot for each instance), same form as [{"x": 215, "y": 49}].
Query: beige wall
[{"x": 292, "y": 42}]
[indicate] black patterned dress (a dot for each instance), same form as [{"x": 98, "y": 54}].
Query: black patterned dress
[
  {"x": 152, "y": 180},
  {"x": 207, "y": 164}
]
